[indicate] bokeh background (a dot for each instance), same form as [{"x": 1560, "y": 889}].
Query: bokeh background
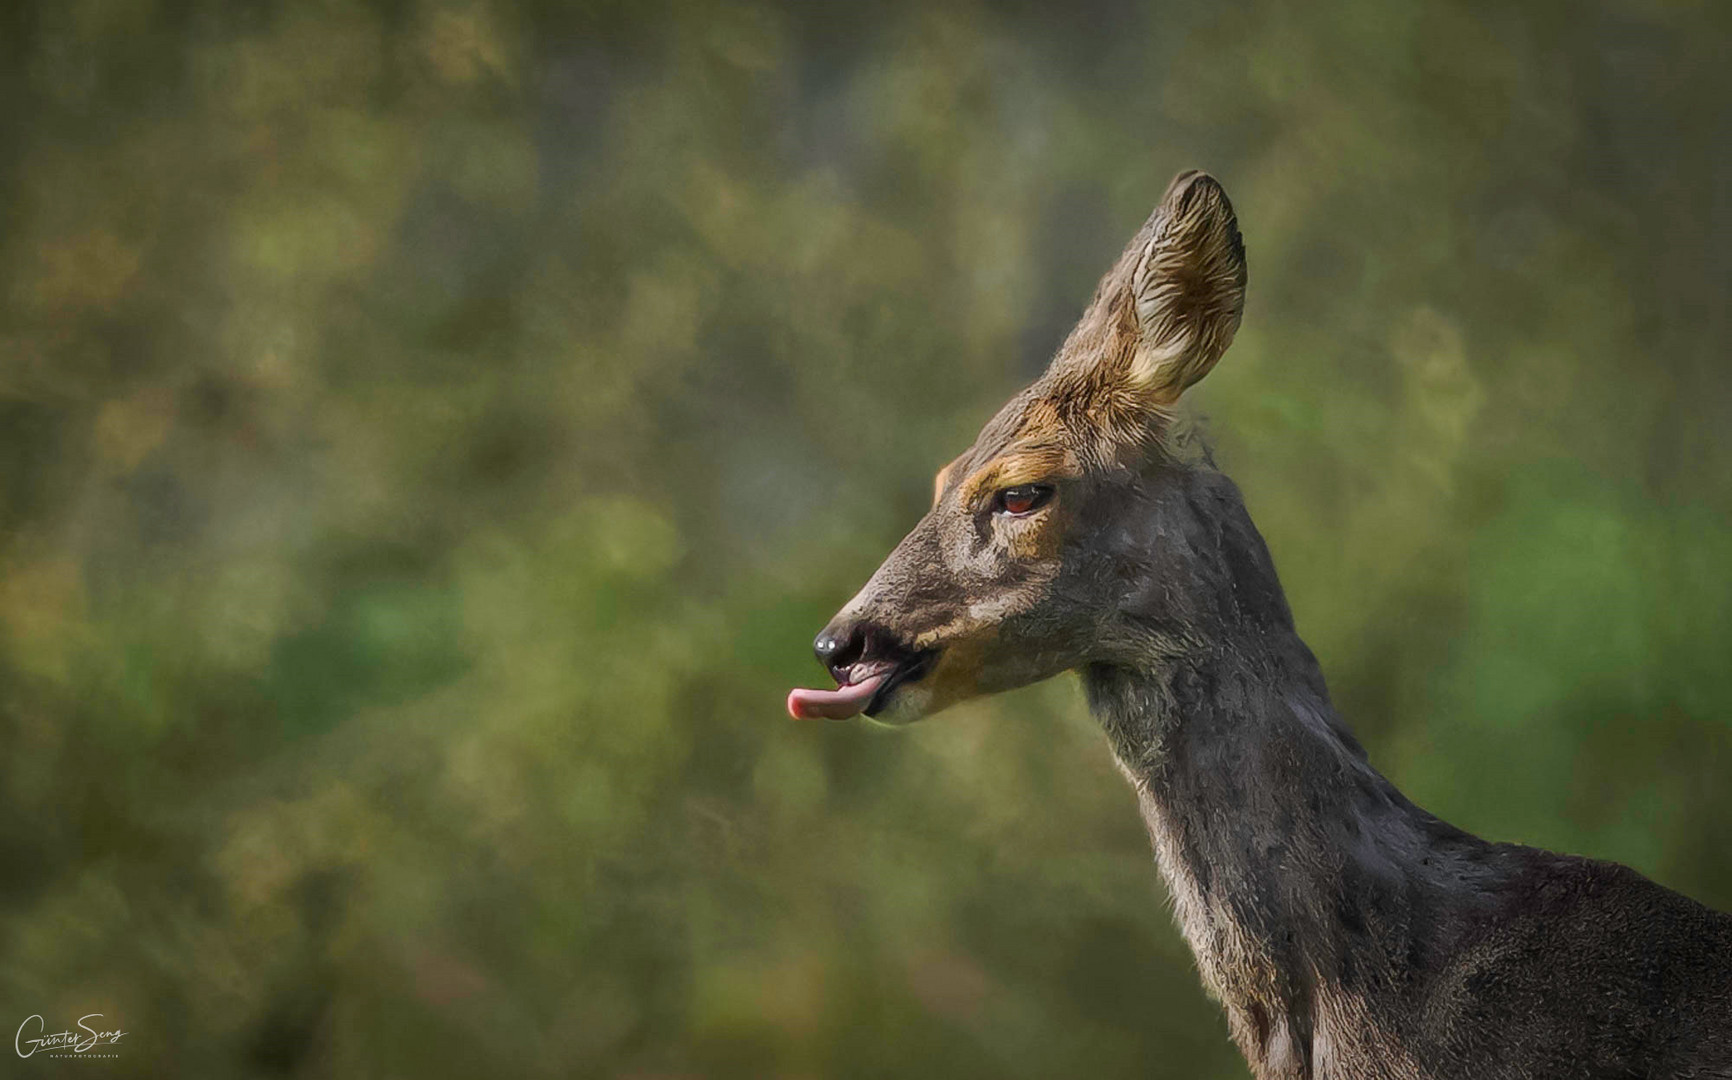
[{"x": 431, "y": 434}]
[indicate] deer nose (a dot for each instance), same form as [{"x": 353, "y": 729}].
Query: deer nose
[{"x": 840, "y": 645}]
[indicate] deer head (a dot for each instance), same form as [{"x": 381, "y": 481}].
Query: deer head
[{"x": 1041, "y": 550}]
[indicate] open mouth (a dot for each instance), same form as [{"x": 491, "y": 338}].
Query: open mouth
[
  {"x": 908, "y": 670},
  {"x": 863, "y": 687}
]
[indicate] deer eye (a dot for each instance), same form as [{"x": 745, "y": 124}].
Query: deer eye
[{"x": 1022, "y": 499}]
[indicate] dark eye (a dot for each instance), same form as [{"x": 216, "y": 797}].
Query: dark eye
[{"x": 1022, "y": 499}]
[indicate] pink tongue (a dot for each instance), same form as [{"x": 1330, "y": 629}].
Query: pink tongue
[{"x": 837, "y": 704}]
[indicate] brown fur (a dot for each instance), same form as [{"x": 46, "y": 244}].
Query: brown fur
[{"x": 1347, "y": 933}]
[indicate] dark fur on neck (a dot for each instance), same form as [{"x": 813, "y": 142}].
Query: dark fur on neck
[{"x": 1348, "y": 932}]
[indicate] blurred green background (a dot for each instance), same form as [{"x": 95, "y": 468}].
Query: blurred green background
[{"x": 432, "y": 433}]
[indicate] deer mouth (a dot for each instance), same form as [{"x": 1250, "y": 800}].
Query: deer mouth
[
  {"x": 863, "y": 687},
  {"x": 908, "y": 670}
]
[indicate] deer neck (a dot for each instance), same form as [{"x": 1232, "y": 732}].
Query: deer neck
[{"x": 1300, "y": 877}]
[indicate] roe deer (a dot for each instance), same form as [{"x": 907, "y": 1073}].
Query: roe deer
[{"x": 1348, "y": 933}]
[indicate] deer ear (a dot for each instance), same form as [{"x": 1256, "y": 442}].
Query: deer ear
[{"x": 1181, "y": 284}]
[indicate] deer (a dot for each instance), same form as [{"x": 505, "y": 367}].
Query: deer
[{"x": 1347, "y": 933}]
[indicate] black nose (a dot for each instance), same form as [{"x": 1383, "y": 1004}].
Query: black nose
[{"x": 840, "y": 645}]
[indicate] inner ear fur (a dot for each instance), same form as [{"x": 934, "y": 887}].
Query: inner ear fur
[
  {"x": 1164, "y": 313},
  {"x": 1187, "y": 286}
]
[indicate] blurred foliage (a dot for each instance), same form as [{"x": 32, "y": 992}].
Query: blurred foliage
[{"x": 432, "y": 432}]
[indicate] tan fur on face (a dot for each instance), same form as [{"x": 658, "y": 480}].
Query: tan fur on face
[
  {"x": 1032, "y": 464},
  {"x": 941, "y": 479},
  {"x": 1039, "y": 537},
  {"x": 957, "y": 675}
]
